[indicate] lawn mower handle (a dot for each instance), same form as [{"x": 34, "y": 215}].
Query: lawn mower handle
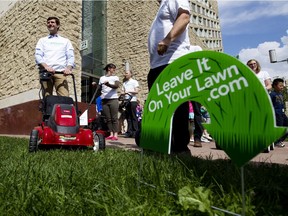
[
  {"x": 94, "y": 95},
  {"x": 48, "y": 75},
  {"x": 74, "y": 87}
]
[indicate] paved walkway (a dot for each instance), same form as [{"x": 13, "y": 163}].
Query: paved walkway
[{"x": 209, "y": 151}]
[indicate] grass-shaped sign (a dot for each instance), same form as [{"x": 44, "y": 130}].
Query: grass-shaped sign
[{"x": 242, "y": 118}]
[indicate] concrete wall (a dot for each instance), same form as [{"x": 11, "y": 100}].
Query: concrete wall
[
  {"x": 21, "y": 28},
  {"x": 128, "y": 24},
  {"x": 130, "y": 41},
  {"x": 22, "y": 25}
]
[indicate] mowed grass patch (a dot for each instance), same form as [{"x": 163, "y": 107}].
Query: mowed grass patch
[{"x": 117, "y": 182}]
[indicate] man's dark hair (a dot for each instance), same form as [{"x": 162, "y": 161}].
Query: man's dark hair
[
  {"x": 276, "y": 81},
  {"x": 55, "y": 18}
]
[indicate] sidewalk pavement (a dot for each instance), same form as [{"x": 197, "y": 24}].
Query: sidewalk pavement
[{"x": 209, "y": 151}]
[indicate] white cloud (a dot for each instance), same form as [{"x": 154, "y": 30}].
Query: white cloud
[
  {"x": 242, "y": 21},
  {"x": 233, "y": 13},
  {"x": 284, "y": 40},
  {"x": 261, "y": 53}
]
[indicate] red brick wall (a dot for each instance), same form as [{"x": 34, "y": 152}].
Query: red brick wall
[{"x": 22, "y": 118}]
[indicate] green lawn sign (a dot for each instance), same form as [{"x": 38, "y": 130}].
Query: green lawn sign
[{"x": 242, "y": 117}]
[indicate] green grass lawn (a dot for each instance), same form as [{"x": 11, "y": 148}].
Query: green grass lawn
[{"x": 112, "y": 182}]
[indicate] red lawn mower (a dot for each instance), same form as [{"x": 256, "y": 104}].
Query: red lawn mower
[{"x": 60, "y": 123}]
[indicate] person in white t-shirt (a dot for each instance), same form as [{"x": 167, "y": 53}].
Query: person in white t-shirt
[
  {"x": 109, "y": 84},
  {"x": 168, "y": 40},
  {"x": 131, "y": 87},
  {"x": 263, "y": 76}
]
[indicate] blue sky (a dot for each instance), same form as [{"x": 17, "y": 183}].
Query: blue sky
[{"x": 251, "y": 28}]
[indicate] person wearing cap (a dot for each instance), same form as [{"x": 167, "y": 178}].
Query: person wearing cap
[
  {"x": 55, "y": 54},
  {"x": 110, "y": 104}
]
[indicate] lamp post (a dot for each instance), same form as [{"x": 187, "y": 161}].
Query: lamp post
[
  {"x": 273, "y": 57},
  {"x": 126, "y": 65}
]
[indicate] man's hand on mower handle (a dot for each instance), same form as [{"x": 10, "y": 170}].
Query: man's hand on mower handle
[
  {"x": 49, "y": 69},
  {"x": 68, "y": 70}
]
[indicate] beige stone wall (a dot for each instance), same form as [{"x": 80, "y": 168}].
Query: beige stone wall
[
  {"x": 20, "y": 29},
  {"x": 130, "y": 41},
  {"x": 128, "y": 24}
]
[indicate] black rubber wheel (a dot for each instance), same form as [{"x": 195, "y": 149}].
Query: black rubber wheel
[
  {"x": 102, "y": 144},
  {"x": 99, "y": 141},
  {"x": 33, "y": 142},
  {"x": 137, "y": 137}
]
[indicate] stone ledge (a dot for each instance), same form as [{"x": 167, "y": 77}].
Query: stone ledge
[{"x": 20, "y": 98}]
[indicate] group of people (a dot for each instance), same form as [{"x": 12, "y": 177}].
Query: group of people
[
  {"x": 109, "y": 84},
  {"x": 275, "y": 90},
  {"x": 55, "y": 54},
  {"x": 168, "y": 40}
]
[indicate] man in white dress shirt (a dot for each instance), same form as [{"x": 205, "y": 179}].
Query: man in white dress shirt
[{"x": 55, "y": 54}]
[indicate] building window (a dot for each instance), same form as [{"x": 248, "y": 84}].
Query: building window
[{"x": 94, "y": 54}]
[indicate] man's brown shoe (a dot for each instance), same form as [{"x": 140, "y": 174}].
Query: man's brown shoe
[{"x": 197, "y": 143}]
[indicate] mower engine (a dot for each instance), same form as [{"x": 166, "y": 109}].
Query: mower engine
[{"x": 64, "y": 119}]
